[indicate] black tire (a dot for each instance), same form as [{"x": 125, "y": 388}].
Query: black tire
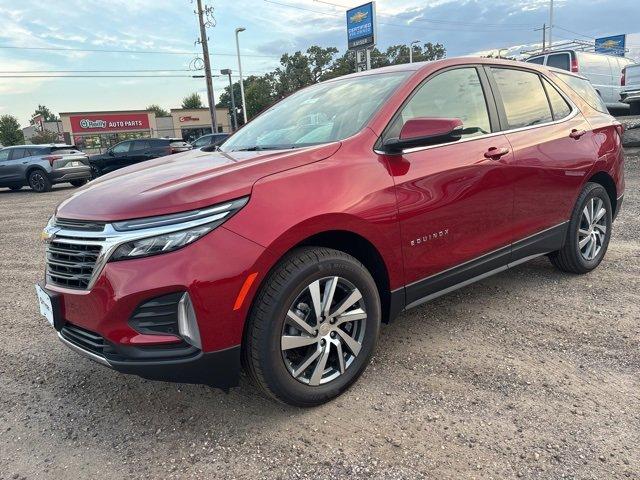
[
  {"x": 95, "y": 172},
  {"x": 263, "y": 358},
  {"x": 39, "y": 181},
  {"x": 78, "y": 183},
  {"x": 15, "y": 188},
  {"x": 570, "y": 258},
  {"x": 634, "y": 108}
]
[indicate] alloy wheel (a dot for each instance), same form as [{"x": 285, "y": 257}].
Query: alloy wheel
[
  {"x": 323, "y": 331},
  {"x": 593, "y": 229},
  {"x": 37, "y": 182}
]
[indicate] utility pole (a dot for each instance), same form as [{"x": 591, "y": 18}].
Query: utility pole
[
  {"x": 244, "y": 101},
  {"x": 207, "y": 69},
  {"x": 550, "y": 42},
  {"x": 544, "y": 35}
]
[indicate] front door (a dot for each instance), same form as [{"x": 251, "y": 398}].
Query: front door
[{"x": 455, "y": 201}]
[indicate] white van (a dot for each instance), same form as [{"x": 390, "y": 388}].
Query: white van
[{"x": 603, "y": 71}]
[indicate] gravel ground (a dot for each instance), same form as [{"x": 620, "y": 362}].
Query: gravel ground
[{"x": 529, "y": 374}]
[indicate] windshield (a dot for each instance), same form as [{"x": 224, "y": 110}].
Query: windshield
[{"x": 322, "y": 113}]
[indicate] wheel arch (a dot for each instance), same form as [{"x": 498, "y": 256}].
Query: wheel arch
[
  {"x": 31, "y": 168},
  {"x": 607, "y": 182}
]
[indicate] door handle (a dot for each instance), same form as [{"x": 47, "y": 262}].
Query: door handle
[
  {"x": 496, "y": 153},
  {"x": 576, "y": 134}
]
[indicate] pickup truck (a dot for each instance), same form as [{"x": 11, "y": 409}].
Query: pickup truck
[{"x": 630, "y": 92}]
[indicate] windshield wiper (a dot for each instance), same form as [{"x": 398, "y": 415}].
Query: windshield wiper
[{"x": 258, "y": 148}]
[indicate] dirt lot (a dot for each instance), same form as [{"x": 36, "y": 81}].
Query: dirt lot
[{"x": 529, "y": 374}]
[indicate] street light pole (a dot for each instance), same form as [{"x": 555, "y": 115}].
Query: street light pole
[
  {"x": 244, "y": 102},
  {"x": 207, "y": 68},
  {"x": 415, "y": 42},
  {"x": 550, "y": 41},
  {"x": 234, "y": 118}
]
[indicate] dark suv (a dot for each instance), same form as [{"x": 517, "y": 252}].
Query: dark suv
[
  {"x": 129, "y": 152},
  {"x": 210, "y": 140},
  {"x": 40, "y": 166}
]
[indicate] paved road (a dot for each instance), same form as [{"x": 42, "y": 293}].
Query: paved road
[{"x": 529, "y": 374}]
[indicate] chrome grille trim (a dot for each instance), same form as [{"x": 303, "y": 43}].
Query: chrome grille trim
[{"x": 75, "y": 258}]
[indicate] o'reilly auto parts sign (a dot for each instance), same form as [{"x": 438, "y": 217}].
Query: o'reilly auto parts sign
[{"x": 109, "y": 122}]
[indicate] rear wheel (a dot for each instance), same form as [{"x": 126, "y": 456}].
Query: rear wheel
[
  {"x": 313, "y": 327},
  {"x": 78, "y": 183},
  {"x": 39, "y": 181},
  {"x": 588, "y": 233}
]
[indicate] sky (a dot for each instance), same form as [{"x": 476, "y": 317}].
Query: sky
[{"x": 160, "y": 35}]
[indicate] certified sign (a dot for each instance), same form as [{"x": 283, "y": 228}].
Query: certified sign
[
  {"x": 361, "y": 26},
  {"x": 614, "y": 45}
]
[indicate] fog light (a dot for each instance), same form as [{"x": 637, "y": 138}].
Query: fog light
[{"x": 187, "y": 322}]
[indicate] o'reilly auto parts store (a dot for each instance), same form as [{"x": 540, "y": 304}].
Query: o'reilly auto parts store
[{"x": 97, "y": 131}]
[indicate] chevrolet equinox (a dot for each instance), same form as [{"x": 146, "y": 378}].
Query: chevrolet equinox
[{"x": 350, "y": 201}]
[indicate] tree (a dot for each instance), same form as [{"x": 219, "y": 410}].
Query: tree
[
  {"x": 158, "y": 110},
  {"x": 192, "y": 101},
  {"x": 45, "y": 136},
  {"x": 10, "y": 133},
  {"x": 47, "y": 114},
  {"x": 225, "y": 100}
]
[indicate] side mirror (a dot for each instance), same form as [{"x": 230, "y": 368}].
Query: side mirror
[{"x": 422, "y": 132}]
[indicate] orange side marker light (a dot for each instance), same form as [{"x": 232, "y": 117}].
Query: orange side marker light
[{"x": 244, "y": 290}]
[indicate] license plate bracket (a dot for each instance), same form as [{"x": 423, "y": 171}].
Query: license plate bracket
[{"x": 50, "y": 304}]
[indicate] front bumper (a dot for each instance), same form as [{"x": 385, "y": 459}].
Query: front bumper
[
  {"x": 212, "y": 270},
  {"x": 217, "y": 369}
]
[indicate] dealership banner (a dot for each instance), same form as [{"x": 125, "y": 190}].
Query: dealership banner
[{"x": 109, "y": 122}]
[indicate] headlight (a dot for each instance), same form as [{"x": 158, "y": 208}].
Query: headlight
[{"x": 166, "y": 233}]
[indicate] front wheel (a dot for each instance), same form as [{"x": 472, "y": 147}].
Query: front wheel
[
  {"x": 588, "y": 233},
  {"x": 313, "y": 327}
]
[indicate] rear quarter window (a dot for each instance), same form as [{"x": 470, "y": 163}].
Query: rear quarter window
[
  {"x": 559, "y": 60},
  {"x": 585, "y": 90}
]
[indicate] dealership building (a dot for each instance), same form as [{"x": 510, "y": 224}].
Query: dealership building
[{"x": 95, "y": 132}]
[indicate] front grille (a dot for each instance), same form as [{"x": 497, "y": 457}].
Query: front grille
[
  {"x": 80, "y": 225},
  {"x": 70, "y": 263},
  {"x": 84, "y": 339}
]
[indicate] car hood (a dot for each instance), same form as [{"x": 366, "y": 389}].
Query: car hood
[{"x": 182, "y": 182}]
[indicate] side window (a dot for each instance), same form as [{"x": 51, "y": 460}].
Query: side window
[
  {"x": 559, "y": 106},
  {"x": 140, "y": 145},
  {"x": 559, "y": 60},
  {"x": 4, "y": 155},
  {"x": 453, "y": 94},
  {"x": 18, "y": 153},
  {"x": 524, "y": 99},
  {"x": 121, "y": 147},
  {"x": 538, "y": 60},
  {"x": 583, "y": 87}
]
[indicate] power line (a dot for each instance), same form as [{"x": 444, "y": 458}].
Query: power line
[
  {"x": 394, "y": 24},
  {"x": 151, "y": 52},
  {"x": 438, "y": 20}
]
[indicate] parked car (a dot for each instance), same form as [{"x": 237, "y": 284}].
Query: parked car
[
  {"x": 603, "y": 71},
  {"x": 40, "y": 166},
  {"x": 630, "y": 83},
  {"x": 287, "y": 249},
  {"x": 130, "y": 152},
  {"x": 210, "y": 140}
]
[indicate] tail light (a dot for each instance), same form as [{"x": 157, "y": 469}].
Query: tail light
[
  {"x": 623, "y": 78},
  {"x": 51, "y": 158},
  {"x": 574, "y": 65},
  {"x": 619, "y": 129}
]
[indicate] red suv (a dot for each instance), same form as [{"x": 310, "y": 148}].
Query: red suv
[{"x": 332, "y": 212}]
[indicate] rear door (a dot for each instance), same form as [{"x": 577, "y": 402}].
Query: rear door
[
  {"x": 560, "y": 60},
  {"x": 139, "y": 152},
  {"x": 455, "y": 202},
  {"x": 120, "y": 156},
  {"x": 553, "y": 150},
  {"x": 597, "y": 70}
]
